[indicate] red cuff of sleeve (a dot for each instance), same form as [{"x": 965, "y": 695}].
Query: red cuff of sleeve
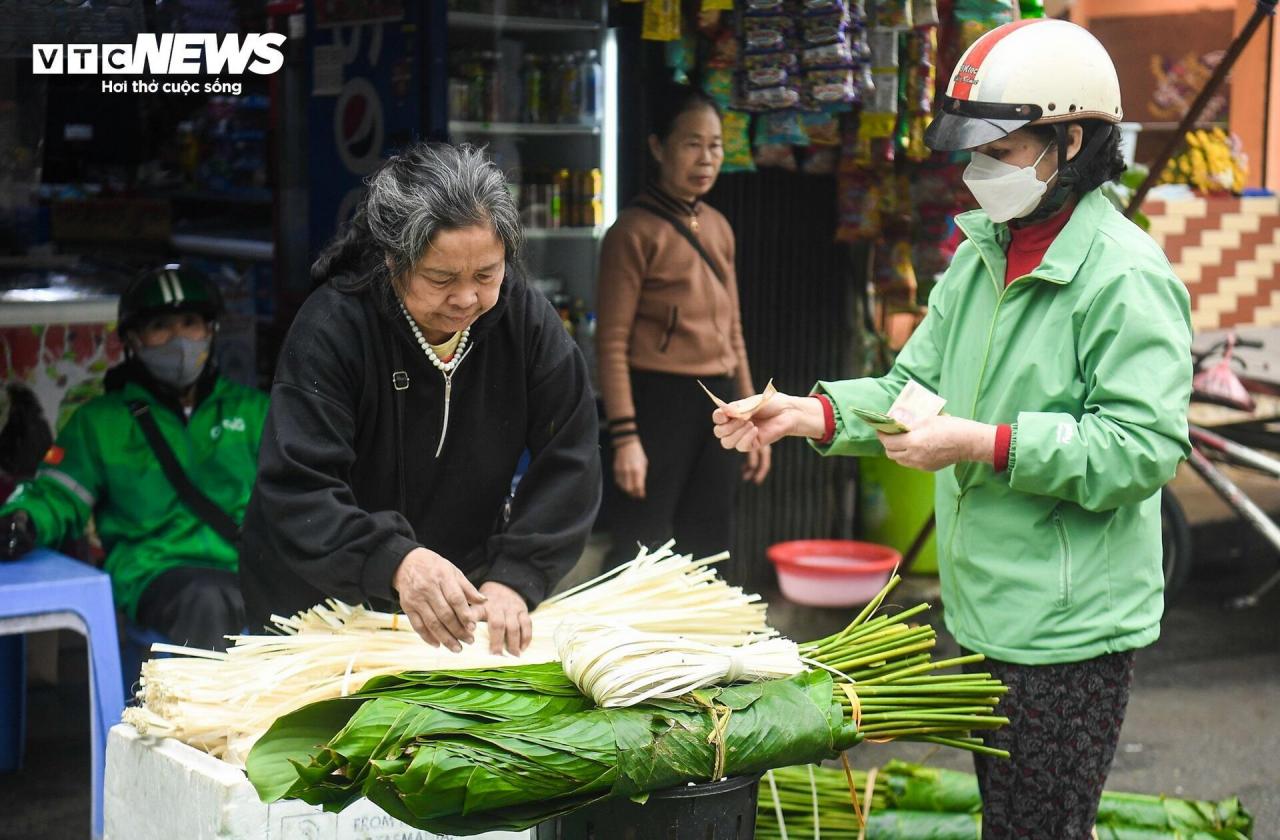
[
  {"x": 1003, "y": 434},
  {"x": 828, "y": 419}
]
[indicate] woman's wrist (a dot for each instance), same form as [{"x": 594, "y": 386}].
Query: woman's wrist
[
  {"x": 809, "y": 420},
  {"x": 984, "y": 443}
]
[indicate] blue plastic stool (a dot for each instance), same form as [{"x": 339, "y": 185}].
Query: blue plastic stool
[
  {"x": 49, "y": 591},
  {"x": 13, "y": 702}
]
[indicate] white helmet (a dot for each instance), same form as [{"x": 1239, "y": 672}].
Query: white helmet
[{"x": 1028, "y": 71}]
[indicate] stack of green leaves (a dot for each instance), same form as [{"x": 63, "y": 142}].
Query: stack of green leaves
[
  {"x": 911, "y": 802},
  {"x": 468, "y": 751}
]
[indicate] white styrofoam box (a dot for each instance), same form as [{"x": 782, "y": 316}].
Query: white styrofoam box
[{"x": 162, "y": 789}]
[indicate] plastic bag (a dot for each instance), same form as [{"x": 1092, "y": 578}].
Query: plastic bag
[{"x": 1219, "y": 384}]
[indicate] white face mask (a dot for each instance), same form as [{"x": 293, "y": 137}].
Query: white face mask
[{"x": 1003, "y": 190}]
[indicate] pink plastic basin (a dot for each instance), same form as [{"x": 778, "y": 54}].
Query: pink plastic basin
[{"x": 832, "y": 573}]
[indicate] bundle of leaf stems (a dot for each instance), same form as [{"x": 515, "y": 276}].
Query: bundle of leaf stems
[{"x": 895, "y": 692}]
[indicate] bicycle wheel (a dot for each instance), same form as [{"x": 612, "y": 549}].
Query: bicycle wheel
[{"x": 1175, "y": 535}]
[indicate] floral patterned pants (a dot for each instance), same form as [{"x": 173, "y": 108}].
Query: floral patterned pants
[{"x": 1064, "y": 725}]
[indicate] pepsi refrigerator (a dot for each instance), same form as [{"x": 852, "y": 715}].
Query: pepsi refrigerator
[{"x": 532, "y": 81}]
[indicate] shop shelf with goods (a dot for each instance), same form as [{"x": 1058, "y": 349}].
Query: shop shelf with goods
[{"x": 535, "y": 84}]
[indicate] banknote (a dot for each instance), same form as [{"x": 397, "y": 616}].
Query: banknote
[
  {"x": 751, "y": 405},
  {"x": 879, "y": 422},
  {"x": 914, "y": 403}
]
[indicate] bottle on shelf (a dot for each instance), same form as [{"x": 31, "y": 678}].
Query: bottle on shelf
[
  {"x": 534, "y": 195},
  {"x": 492, "y": 102},
  {"x": 570, "y": 88},
  {"x": 591, "y": 88},
  {"x": 475, "y": 72},
  {"x": 533, "y": 106},
  {"x": 593, "y": 198},
  {"x": 551, "y": 199},
  {"x": 561, "y": 199}
]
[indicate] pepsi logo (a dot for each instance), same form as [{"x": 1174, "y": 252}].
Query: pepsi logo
[{"x": 359, "y": 126}]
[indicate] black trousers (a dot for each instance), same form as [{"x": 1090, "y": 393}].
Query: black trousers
[
  {"x": 692, "y": 480},
  {"x": 194, "y": 606},
  {"x": 1064, "y": 725}
]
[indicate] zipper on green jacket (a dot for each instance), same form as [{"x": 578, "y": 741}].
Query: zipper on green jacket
[
  {"x": 1064, "y": 561},
  {"x": 955, "y": 526}
]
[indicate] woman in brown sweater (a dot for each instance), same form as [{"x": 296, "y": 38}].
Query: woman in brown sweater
[{"x": 668, "y": 317}]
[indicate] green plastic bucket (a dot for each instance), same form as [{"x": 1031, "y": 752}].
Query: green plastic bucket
[{"x": 896, "y": 503}]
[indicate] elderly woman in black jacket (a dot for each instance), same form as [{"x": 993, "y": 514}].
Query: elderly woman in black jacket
[{"x": 407, "y": 389}]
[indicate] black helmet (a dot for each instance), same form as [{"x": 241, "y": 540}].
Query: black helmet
[{"x": 172, "y": 288}]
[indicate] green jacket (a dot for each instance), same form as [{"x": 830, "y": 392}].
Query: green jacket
[
  {"x": 1057, "y": 559},
  {"x": 102, "y": 465}
]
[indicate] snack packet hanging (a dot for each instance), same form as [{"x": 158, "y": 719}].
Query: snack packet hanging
[
  {"x": 771, "y": 99},
  {"x": 825, "y": 29},
  {"x": 780, "y": 128},
  {"x": 766, "y": 34},
  {"x": 736, "y": 136},
  {"x": 661, "y": 21},
  {"x": 822, "y": 128},
  {"x": 718, "y": 84},
  {"x": 823, "y": 7},
  {"x": 831, "y": 87},
  {"x": 764, "y": 7},
  {"x": 890, "y": 14},
  {"x": 835, "y": 55}
]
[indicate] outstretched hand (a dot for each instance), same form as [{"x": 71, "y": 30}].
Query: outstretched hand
[{"x": 779, "y": 417}]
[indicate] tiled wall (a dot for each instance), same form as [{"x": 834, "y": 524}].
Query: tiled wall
[{"x": 1227, "y": 251}]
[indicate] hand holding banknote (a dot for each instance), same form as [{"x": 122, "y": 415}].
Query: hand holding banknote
[
  {"x": 924, "y": 438},
  {"x": 937, "y": 442},
  {"x": 752, "y": 424}
]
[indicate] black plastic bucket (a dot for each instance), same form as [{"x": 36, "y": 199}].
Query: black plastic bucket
[{"x": 714, "y": 811}]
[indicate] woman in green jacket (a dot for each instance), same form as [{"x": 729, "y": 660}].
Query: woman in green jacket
[{"x": 1060, "y": 339}]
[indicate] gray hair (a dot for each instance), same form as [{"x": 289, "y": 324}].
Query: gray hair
[{"x": 427, "y": 188}]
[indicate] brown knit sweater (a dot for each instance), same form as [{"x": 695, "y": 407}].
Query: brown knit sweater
[{"x": 661, "y": 308}]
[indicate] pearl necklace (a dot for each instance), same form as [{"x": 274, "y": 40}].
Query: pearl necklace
[{"x": 442, "y": 366}]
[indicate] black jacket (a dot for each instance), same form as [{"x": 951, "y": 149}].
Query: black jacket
[{"x": 348, "y": 477}]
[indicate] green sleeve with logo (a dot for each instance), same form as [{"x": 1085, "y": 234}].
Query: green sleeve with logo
[
  {"x": 1132, "y": 433},
  {"x": 105, "y": 466}
]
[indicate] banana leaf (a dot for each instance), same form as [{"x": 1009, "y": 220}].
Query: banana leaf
[
  {"x": 915, "y": 788},
  {"x": 912, "y": 787},
  {"x": 478, "y": 751},
  {"x": 360, "y": 723}
]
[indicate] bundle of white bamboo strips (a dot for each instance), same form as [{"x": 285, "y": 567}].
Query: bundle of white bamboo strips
[
  {"x": 223, "y": 702},
  {"x": 616, "y": 665}
]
